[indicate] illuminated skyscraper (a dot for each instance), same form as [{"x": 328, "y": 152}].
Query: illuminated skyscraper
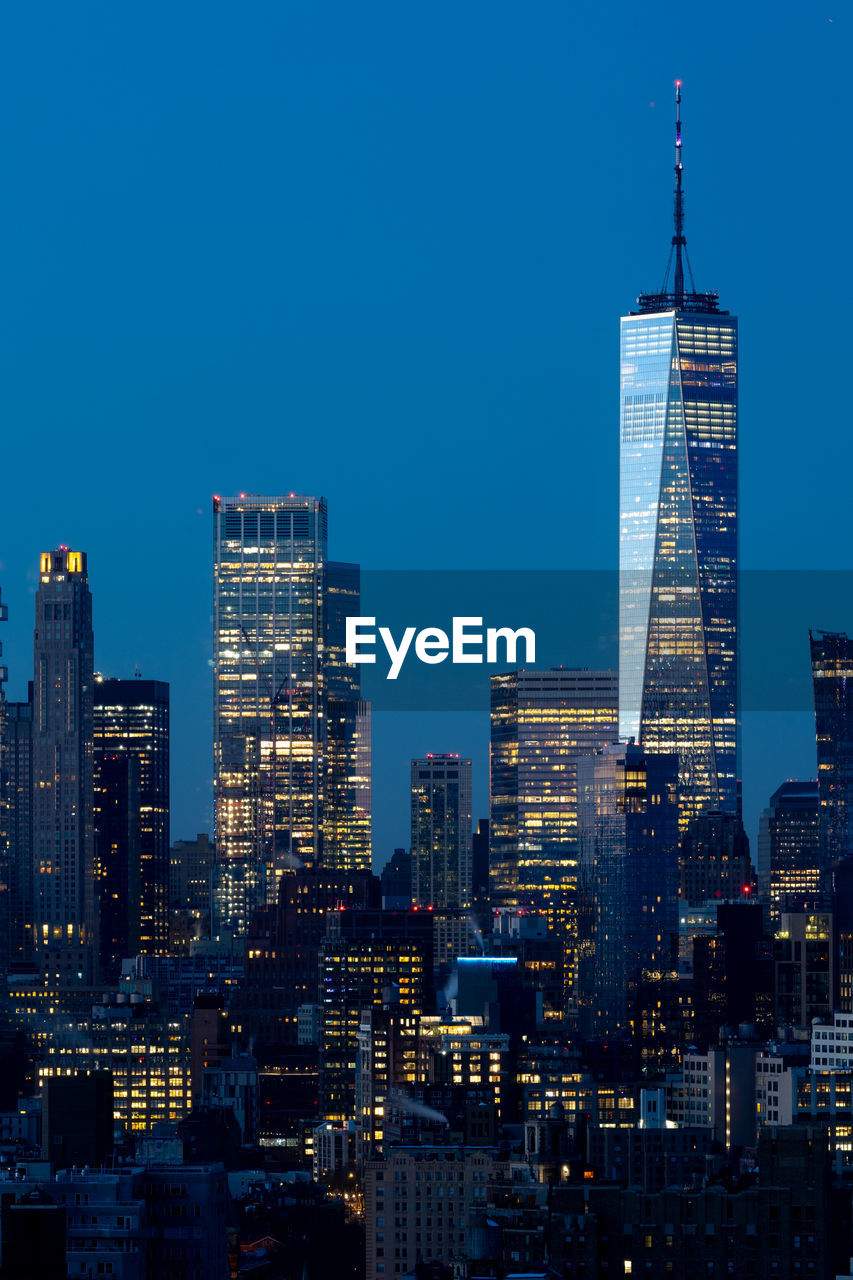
[
  {"x": 64, "y": 903},
  {"x": 789, "y": 861},
  {"x": 678, "y": 538},
  {"x": 131, "y": 731},
  {"x": 269, "y": 571},
  {"x": 832, "y": 676},
  {"x": 542, "y": 722},
  {"x": 347, "y": 800}
]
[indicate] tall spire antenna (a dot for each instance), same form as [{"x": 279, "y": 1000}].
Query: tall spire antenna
[{"x": 678, "y": 239}]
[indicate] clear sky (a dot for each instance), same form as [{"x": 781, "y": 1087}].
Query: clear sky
[{"x": 378, "y": 252}]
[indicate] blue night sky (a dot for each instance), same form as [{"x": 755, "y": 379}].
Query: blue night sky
[{"x": 378, "y": 252}]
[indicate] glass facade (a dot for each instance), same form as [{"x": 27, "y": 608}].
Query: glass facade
[
  {"x": 541, "y": 723},
  {"x": 131, "y": 733},
  {"x": 678, "y": 546},
  {"x": 441, "y": 832},
  {"x": 628, "y": 823},
  {"x": 269, "y": 567}
]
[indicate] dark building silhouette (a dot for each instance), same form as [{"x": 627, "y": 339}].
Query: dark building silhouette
[
  {"x": 733, "y": 977},
  {"x": 18, "y": 766},
  {"x": 33, "y": 1230},
  {"x": 714, "y": 861},
  {"x": 77, "y": 1119},
  {"x": 397, "y": 881},
  {"x": 131, "y": 740},
  {"x": 480, "y": 870},
  {"x": 832, "y": 669}
]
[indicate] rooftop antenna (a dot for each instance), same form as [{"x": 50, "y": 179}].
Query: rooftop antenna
[{"x": 678, "y": 240}]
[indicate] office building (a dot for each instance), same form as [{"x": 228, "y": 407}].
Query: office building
[
  {"x": 832, "y": 669},
  {"x": 367, "y": 958},
  {"x": 678, "y": 535},
  {"x": 442, "y": 851},
  {"x": 542, "y": 722},
  {"x": 269, "y": 571},
  {"x": 19, "y": 826},
  {"x": 789, "y": 860},
  {"x": 347, "y": 806},
  {"x": 714, "y": 862},
  {"x": 131, "y": 739},
  {"x": 628, "y": 823},
  {"x": 441, "y": 832},
  {"x": 64, "y": 896}
]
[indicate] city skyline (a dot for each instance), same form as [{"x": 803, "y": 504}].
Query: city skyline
[{"x": 541, "y": 384}]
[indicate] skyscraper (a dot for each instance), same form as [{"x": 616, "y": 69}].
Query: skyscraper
[
  {"x": 441, "y": 832},
  {"x": 832, "y": 677},
  {"x": 5, "y": 846},
  {"x": 678, "y": 537},
  {"x": 347, "y": 799},
  {"x": 19, "y": 825},
  {"x": 64, "y": 903},
  {"x": 628, "y": 823},
  {"x": 789, "y": 862},
  {"x": 131, "y": 736},
  {"x": 542, "y": 722},
  {"x": 269, "y": 569},
  {"x": 442, "y": 852}
]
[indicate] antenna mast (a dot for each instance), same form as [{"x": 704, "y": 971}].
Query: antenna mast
[{"x": 678, "y": 240}]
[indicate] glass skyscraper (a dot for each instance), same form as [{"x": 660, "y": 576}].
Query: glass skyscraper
[
  {"x": 628, "y": 837},
  {"x": 269, "y": 571},
  {"x": 131, "y": 735},
  {"x": 678, "y": 535}
]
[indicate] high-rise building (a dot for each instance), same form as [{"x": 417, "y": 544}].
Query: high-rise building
[
  {"x": 367, "y": 958},
  {"x": 347, "y": 804},
  {"x": 19, "y": 825},
  {"x": 441, "y": 832},
  {"x": 5, "y": 845},
  {"x": 64, "y": 899},
  {"x": 269, "y": 572},
  {"x": 789, "y": 862},
  {"x": 347, "y": 807},
  {"x": 542, "y": 723},
  {"x": 442, "y": 851},
  {"x": 678, "y": 536},
  {"x": 628, "y": 821},
  {"x": 832, "y": 677},
  {"x": 131, "y": 735}
]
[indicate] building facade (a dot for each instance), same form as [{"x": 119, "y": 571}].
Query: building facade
[
  {"x": 64, "y": 897},
  {"x": 789, "y": 860},
  {"x": 832, "y": 669},
  {"x": 131, "y": 737},
  {"x": 269, "y": 565},
  {"x": 628, "y": 820}
]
